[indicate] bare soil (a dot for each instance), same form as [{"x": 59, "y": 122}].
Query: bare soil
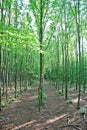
[{"x": 56, "y": 113}]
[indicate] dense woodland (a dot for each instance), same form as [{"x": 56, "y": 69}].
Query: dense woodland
[{"x": 42, "y": 40}]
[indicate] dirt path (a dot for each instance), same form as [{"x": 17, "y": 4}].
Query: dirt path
[{"x": 23, "y": 113}]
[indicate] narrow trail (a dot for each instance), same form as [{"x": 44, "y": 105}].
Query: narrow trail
[{"x": 23, "y": 113}]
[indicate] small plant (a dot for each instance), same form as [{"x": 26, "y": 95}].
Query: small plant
[
  {"x": 17, "y": 95},
  {"x": 61, "y": 93},
  {"x": 1, "y": 117},
  {"x": 83, "y": 110},
  {"x": 5, "y": 104},
  {"x": 44, "y": 96},
  {"x": 13, "y": 99},
  {"x": 21, "y": 91},
  {"x": 81, "y": 90},
  {"x": 69, "y": 101}
]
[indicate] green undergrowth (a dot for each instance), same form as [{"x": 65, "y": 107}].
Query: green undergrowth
[
  {"x": 69, "y": 101},
  {"x": 21, "y": 91},
  {"x": 1, "y": 117},
  {"x": 44, "y": 95},
  {"x": 13, "y": 98},
  {"x": 5, "y": 104},
  {"x": 83, "y": 110},
  {"x": 61, "y": 93}
]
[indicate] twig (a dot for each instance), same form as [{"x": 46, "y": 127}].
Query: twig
[{"x": 74, "y": 126}]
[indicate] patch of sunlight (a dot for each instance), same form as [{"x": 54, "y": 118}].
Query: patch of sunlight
[
  {"x": 33, "y": 97},
  {"x": 23, "y": 125},
  {"x": 75, "y": 100},
  {"x": 55, "y": 119},
  {"x": 40, "y": 126},
  {"x": 17, "y": 101},
  {"x": 33, "y": 88}
]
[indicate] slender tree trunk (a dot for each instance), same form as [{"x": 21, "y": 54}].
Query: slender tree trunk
[
  {"x": 3, "y": 80},
  {"x": 58, "y": 66},
  {"x": 78, "y": 33},
  {"x": 76, "y": 69},
  {"x": 41, "y": 58},
  {"x": 83, "y": 61},
  {"x": 66, "y": 53},
  {"x": 6, "y": 75},
  {"x": 26, "y": 68},
  {"x": 15, "y": 76},
  {"x": 21, "y": 62},
  {"x": 2, "y": 22},
  {"x": 63, "y": 68},
  {"x": 0, "y": 80},
  {"x": 63, "y": 62}
]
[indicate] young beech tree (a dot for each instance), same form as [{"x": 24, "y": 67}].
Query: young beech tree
[
  {"x": 79, "y": 47},
  {"x": 1, "y": 31},
  {"x": 40, "y": 12}
]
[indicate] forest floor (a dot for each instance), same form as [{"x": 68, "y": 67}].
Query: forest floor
[{"x": 22, "y": 114}]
